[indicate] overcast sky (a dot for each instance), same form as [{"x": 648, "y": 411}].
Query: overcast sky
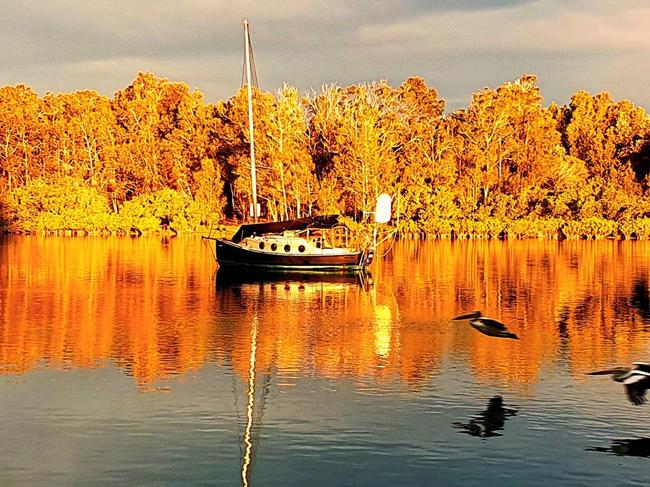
[{"x": 457, "y": 46}]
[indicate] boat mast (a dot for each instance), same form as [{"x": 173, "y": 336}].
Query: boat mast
[{"x": 247, "y": 60}]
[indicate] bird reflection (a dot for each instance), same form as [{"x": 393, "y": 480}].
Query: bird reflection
[
  {"x": 486, "y": 423},
  {"x": 632, "y": 447},
  {"x": 485, "y": 325},
  {"x": 636, "y": 380}
]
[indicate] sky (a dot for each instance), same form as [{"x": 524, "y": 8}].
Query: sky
[{"x": 457, "y": 46}]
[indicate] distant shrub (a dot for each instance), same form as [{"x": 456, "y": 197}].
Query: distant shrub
[
  {"x": 64, "y": 205},
  {"x": 534, "y": 228},
  {"x": 486, "y": 227},
  {"x": 593, "y": 227},
  {"x": 438, "y": 228},
  {"x": 409, "y": 229},
  {"x": 147, "y": 211},
  {"x": 638, "y": 228}
]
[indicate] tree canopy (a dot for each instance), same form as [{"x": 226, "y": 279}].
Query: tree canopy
[{"x": 506, "y": 165}]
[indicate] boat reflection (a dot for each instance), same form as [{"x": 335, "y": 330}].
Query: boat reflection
[
  {"x": 631, "y": 447},
  {"x": 251, "y": 292},
  {"x": 232, "y": 278},
  {"x": 488, "y": 422}
]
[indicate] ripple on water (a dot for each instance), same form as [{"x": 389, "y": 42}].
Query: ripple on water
[{"x": 353, "y": 386}]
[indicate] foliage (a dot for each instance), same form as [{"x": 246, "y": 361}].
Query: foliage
[
  {"x": 156, "y": 154},
  {"x": 593, "y": 227},
  {"x": 68, "y": 205}
]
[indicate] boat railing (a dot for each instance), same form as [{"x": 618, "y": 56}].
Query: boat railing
[{"x": 341, "y": 236}]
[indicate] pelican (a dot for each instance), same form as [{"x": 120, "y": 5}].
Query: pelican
[
  {"x": 486, "y": 325},
  {"x": 636, "y": 380}
]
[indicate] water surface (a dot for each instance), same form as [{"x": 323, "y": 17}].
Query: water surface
[{"x": 134, "y": 362}]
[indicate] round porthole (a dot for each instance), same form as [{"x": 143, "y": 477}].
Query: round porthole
[
  {"x": 261, "y": 245},
  {"x": 274, "y": 247},
  {"x": 318, "y": 244},
  {"x": 301, "y": 249},
  {"x": 287, "y": 248}
]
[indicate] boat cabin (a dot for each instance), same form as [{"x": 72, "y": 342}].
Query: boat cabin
[{"x": 310, "y": 241}]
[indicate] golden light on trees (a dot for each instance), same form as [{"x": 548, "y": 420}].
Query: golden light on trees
[{"x": 504, "y": 166}]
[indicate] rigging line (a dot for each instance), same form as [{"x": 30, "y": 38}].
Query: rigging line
[
  {"x": 254, "y": 82},
  {"x": 243, "y": 71},
  {"x": 391, "y": 235},
  {"x": 249, "y": 407},
  {"x": 253, "y": 70}
]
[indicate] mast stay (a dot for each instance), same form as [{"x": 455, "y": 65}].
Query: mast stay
[{"x": 250, "y": 80}]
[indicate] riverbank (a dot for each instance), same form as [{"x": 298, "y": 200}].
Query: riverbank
[{"x": 491, "y": 228}]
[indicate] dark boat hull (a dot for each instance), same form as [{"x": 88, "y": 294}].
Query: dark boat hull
[{"x": 230, "y": 254}]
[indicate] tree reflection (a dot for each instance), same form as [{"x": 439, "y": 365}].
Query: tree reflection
[
  {"x": 157, "y": 312},
  {"x": 641, "y": 298}
]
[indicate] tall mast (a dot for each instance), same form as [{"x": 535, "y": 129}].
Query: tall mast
[{"x": 247, "y": 61}]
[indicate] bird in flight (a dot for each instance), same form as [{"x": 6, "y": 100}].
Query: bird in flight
[
  {"x": 485, "y": 325},
  {"x": 636, "y": 380}
]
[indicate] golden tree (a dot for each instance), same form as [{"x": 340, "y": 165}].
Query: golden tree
[{"x": 21, "y": 135}]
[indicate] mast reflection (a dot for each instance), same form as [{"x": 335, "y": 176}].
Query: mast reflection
[{"x": 252, "y": 292}]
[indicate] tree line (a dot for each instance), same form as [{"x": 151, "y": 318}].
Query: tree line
[{"x": 505, "y": 166}]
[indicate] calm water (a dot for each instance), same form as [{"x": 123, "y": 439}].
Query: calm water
[{"x": 133, "y": 362}]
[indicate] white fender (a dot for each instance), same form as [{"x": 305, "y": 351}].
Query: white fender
[{"x": 382, "y": 212}]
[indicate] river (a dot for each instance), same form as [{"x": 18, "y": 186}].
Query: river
[{"x": 135, "y": 362}]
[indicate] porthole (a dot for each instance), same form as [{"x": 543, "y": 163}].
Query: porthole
[
  {"x": 261, "y": 245},
  {"x": 301, "y": 249},
  {"x": 274, "y": 247},
  {"x": 318, "y": 244},
  {"x": 287, "y": 248}
]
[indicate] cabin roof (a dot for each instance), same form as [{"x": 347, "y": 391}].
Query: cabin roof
[{"x": 324, "y": 221}]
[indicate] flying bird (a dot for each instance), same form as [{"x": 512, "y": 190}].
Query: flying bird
[
  {"x": 486, "y": 325},
  {"x": 636, "y": 380}
]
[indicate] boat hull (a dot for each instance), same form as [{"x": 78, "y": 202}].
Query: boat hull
[{"x": 229, "y": 254}]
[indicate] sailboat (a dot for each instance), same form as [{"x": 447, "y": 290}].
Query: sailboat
[{"x": 317, "y": 243}]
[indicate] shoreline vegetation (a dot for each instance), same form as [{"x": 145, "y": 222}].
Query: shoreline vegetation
[{"x": 157, "y": 158}]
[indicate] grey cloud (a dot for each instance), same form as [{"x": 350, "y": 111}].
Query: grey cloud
[{"x": 458, "y": 46}]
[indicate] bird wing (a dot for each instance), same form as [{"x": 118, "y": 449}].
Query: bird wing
[
  {"x": 477, "y": 325},
  {"x": 641, "y": 366},
  {"x": 636, "y": 384},
  {"x": 467, "y": 316},
  {"x": 492, "y": 323}
]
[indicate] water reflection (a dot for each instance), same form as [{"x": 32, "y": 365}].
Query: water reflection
[
  {"x": 329, "y": 325},
  {"x": 640, "y": 299},
  {"x": 226, "y": 278},
  {"x": 254, "y": 410},
  {"x": 489, "y": 421},
  {"x": 349, "y": 381},
  {"x": 152, "y": 310},
  {"x": 632, "y": 447}
]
